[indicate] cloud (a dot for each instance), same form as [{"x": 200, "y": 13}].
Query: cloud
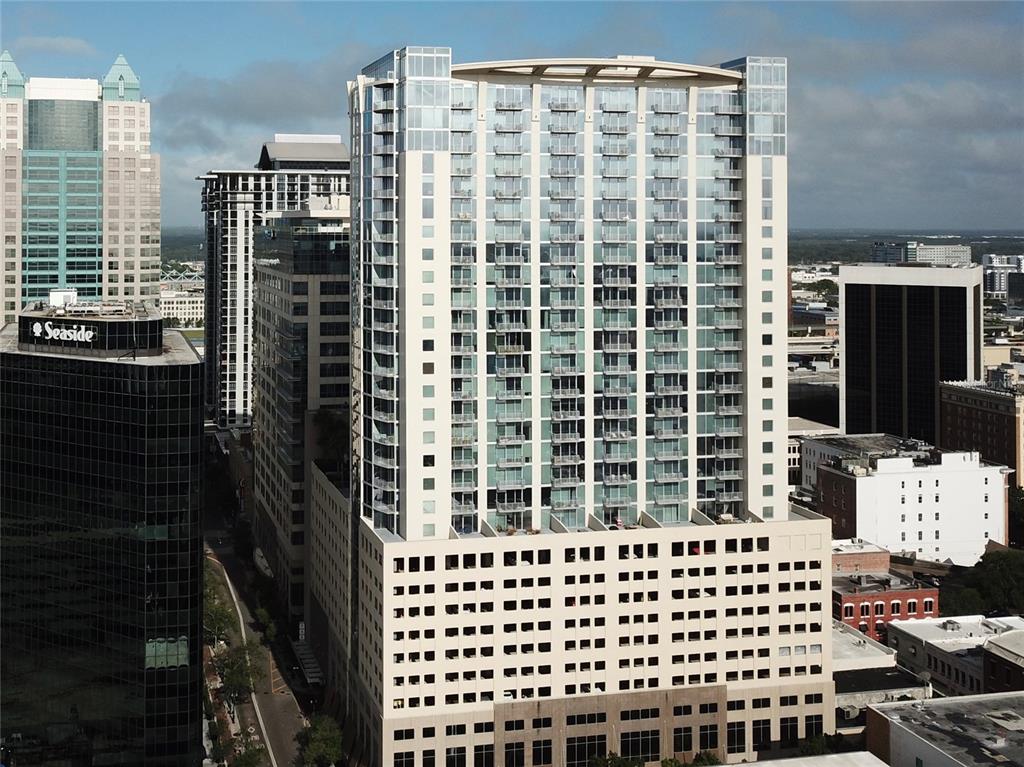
[
  {"x": 63, "y": 46},
  {"x": 910, "y": 118}
]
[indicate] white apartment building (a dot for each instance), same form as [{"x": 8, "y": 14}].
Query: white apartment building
[
  {"x": 949, "y": 649},
  {"x": 81, "y": 199},
  {"x": 800, "y": 429},
  {"x": 291, "y": 169},
  {"x": 997, "y": 268},
  {"x": 907, "y": 496},
  {"x": 569, "y": 401},
  {"x": 188, "y": 306},
  {"x": 912, "y": 252}
]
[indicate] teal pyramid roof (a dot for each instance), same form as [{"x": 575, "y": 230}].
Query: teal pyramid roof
[
  {"x": 121, "y": 82},
  {"x": 12, "y": 82}
]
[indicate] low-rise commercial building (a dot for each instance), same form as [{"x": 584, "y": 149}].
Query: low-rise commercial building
[
  {"x": 907, "y": 496},
  {"x": 867, "y": 601},
  {"x": 986, "y": 416},
  {"x": 855, "y": 555},
  {"x": 1003, "y": 662},
  {"x": 950, "y": 650},
  {"x": 865, "y": 672},
  {"x": 971, "y": 731}
]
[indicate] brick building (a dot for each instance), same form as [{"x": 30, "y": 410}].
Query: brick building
[
  {"x": 855, "y": 555},
  {"x": 986, "y": 416},
  {"x": 867, "y": 601}
]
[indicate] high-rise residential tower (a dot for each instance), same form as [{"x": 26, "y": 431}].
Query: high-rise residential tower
[
  {"x": 905, "y": 329},
  {"x": 291, "y": 168},
  {"x": 100, "y": 489},
  {"x": 81, "y": 188},
  {"x": 301, "y": 342},
  {"x": 570, "y": 418}
]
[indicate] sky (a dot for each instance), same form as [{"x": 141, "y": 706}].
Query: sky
[{"x": 901, "y": 115}]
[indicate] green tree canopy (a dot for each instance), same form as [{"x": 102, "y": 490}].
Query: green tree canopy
[
  {"x": 320, "y": 743},
  {"x": 994, "y": 585},
  {"x": 237, "y": 672}
]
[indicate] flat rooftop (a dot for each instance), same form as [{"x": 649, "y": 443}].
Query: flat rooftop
[
  {"x": 176, "y": 350},
  {"x": 873, "y": 583},
  {"x": 849, "y": 759},
  {"x": 971, "y": 729},
  {"x": 852, "y": 650},
  {"x": 875, "y": 680},
  {"x": 864, "y": 445},
  {"x": 856, "y": 546},
  {"x": 95, "y": 310},
  {"x": 799, "y": 426},
  {"x": 968, "y": 630}
]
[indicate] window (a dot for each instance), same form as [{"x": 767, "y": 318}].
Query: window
[
  {"x": 579, "y": 751},
  {"x": 788, "y": 731},
  {"x": 761, "y": 732},
  {"x": 736, "y": 737},
  {"x": 708, "y": 737},
  {"x": 929, "y": 605},
  {"x": 682, "y": 740},
  {"x": 813, "y": 726},
  {"x": 483, "y": 756},
  {"x": 644, "y": 745},
  {"x": 515, "y": 754},
  {"x": 456, "y": 757},
  {"x": 541, "y": 753},
  {"x": 405, "y": 759}
]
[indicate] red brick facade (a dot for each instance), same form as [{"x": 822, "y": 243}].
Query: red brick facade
[
  {"x": 851, "y": 608},
  {"x": 860, "y": 561}
]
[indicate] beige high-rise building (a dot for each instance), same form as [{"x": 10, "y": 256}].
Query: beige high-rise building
[
  {"x": 81, "y": 200},
  {"x": 569, "y": 417}
]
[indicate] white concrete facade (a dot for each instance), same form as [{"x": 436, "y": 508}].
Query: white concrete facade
[
  {"x": 942, "y": 505},
  {"x": 188, "y": 306},
  {"x": 568, "y": 622}
]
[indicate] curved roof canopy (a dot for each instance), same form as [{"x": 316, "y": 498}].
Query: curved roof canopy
[{"x": 618, "y": 70}]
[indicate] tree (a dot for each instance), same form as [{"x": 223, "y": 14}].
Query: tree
[
  {"x": 320, "y": 743},
  {"x": 824, "y": 287},
  {"x": 994, "y": 585},
  {"x": 217, "y": 621},
  {"x": 237, "y": 673},
  {"x": 705, "y": 757},
  {"x": 614, "y": 760}
]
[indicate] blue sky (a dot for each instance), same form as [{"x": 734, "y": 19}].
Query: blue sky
[{"x": 901, "y": 115}]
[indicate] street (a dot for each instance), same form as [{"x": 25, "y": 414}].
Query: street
[{"x": 276, "y": 715}]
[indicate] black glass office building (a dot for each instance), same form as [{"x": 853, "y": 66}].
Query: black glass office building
[
  {"x": 904, "y": 329},
  {"x": 101, "y": 577}
]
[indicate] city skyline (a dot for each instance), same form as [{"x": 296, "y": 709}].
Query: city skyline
[{"x": 920, "y": 94}]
